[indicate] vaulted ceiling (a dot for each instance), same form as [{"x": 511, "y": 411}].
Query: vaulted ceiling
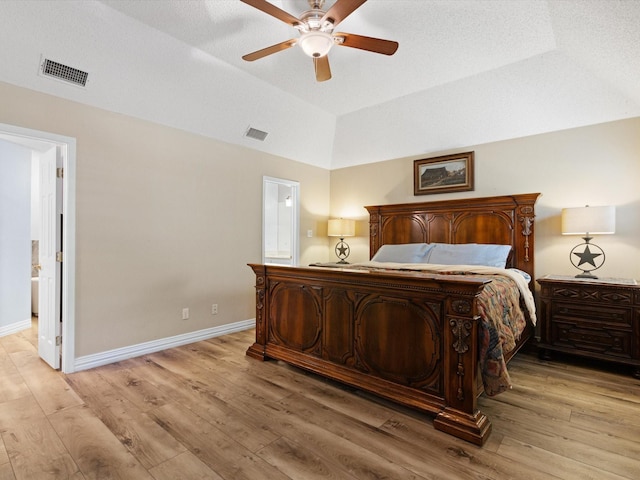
[{"x": 466, "y": 72}]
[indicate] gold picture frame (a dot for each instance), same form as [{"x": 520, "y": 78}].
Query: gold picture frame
[{"x": 448, "y": 173}]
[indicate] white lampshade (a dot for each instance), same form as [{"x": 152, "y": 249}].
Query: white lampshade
[
  {"x": 315, "y": 43},
  {"x": 591, "y": 220},
  {"x": 341, "y": 227}
]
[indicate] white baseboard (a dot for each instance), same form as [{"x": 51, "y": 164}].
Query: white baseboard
[
  {"x": 118, "y": 354},
  {"x": 18, "y": 327}
]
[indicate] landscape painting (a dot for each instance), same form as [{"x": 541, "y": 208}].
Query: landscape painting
[{"x": 449, "y": 173}]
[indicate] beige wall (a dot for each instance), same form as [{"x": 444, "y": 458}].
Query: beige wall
[
  {"x": 165, "y": 220},
  {"x": 595, "y": 165},
  {"x": 168, "y": 219}
]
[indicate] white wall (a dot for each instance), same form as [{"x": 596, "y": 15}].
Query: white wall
[{"x": 15, "y": 236}]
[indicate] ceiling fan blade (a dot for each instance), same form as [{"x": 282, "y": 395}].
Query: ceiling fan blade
[
  {"x": 341, "y": 10},
  {"x": 274, "y": 11},
  {"x": 376, "y": 45},
  {"x": 323, "y": 71},
  {"x": 278, "y": 47}
]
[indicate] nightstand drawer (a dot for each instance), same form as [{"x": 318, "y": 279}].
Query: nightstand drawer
[
  {"x": 588, "y": 293},
  {"x": 590, "y": 314},
  {"x": 603, "y": 341}
]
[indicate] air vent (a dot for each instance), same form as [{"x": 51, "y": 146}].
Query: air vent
[
  {"x": 256, "y": 134},
  {"x": 49, "y": 68}
]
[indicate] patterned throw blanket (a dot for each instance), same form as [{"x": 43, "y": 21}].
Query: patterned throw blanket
[
  {"x": 503, "y": 321},
  {"x": 504, "y": 305}
]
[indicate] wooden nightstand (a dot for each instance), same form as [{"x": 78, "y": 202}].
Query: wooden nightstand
[{"x": 592, "y": 318}]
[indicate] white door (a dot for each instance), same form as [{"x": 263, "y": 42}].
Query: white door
[
  {"x": 49, "y": 313},
  {"x": 280, "y": 218}
]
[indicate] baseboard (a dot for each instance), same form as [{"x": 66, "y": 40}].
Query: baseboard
[
  {"x": 17, "y": 327},
  {"x": 111, "y": 356}
]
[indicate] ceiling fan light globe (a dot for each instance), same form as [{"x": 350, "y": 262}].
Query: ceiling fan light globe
[{"x": 316, "y": 44}]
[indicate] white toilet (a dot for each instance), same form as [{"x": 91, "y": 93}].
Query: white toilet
[{"x": 34, "y": 295}]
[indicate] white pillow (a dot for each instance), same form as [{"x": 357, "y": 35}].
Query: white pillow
[
  {"x": 526, "y": 276},
  {"x": 469, "y": 254},
  {"x": 403, "y": 253}
]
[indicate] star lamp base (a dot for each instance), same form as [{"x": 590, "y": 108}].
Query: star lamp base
[
  {"x": 586, "y": 274},
  {"x": 342, "y": 251},
  {"x": 591, "y": 254}
]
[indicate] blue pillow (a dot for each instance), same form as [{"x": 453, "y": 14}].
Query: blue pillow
[
  {"x": 403, "y": 253},
  {"x": 469, "y": 254}
]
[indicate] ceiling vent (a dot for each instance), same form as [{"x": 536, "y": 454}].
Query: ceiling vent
[
  {"x": 56, "y": 70},
  {"x": 256, "y": 134}
]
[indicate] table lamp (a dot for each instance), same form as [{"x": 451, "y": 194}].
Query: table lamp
[{"x": 587, "y": 221}]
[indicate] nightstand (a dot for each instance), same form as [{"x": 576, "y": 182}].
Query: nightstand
[{"x": 597, "y": 319}]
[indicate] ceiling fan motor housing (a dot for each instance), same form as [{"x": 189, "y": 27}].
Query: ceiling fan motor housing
[{"x": 315, "y": 35}]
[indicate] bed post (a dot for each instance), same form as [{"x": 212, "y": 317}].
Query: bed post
[
  {"x": 461, "y": 416},
  {"x": 257, "y": 350},
  {"x": 374, "y": 219},
  {"x": 525, "y": 215}
]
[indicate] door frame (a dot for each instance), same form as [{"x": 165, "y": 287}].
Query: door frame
[{"x": 68, "y": 225}]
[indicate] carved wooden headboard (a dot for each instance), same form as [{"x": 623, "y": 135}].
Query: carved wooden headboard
[{"x": 504, "y": 220}]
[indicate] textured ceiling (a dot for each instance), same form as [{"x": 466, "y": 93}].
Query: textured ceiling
[
  {"x": 440, "y": 42},
  {"x": 466, "y": 72}
]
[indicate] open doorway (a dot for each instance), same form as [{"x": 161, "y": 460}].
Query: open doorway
[
  {"x": 56, "y": 156},
  {"x": 280, "y": 219}
]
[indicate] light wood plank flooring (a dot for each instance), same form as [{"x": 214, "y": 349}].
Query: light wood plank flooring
[{"x": 206, "y": 411}]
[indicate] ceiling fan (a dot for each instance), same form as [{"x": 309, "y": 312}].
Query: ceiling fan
[{"x": 316, "y": 33}]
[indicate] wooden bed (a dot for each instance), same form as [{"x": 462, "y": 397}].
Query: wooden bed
[{"x": 409, "y": 337}]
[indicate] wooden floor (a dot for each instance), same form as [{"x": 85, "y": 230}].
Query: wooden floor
[{"x": 206, "y": 411}]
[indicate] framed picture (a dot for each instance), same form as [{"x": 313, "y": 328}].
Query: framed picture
[{"x": 449, "y": 173}]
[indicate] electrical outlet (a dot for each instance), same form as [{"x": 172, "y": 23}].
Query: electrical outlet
[
  {"x": 185, "y": 313},
  {"x": 214, "y": 309}
]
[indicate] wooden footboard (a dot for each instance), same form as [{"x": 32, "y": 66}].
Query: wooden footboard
[{"x": 408, "y": 337}]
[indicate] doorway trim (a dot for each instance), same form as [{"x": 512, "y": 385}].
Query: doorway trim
[{"x": 68, "y": 300}]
